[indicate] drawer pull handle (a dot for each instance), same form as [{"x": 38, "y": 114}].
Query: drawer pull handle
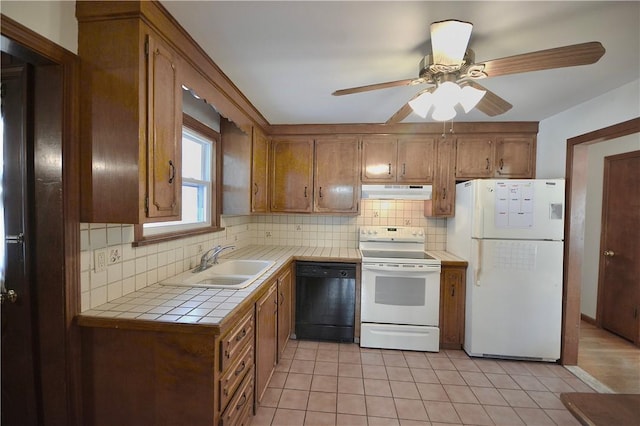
[
  {"x": 256, "y": 191},
  {"x": 242, "y": 401},
  {"x": 172, "y": 172},
  {"x": 241, "y": 335},
  {"x": 241, "y": 368},
  {"x": 389, "y": 173},
  {"x": 488, "y": 164}
]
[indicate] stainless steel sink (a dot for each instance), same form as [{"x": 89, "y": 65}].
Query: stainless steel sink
[{"x": 229, "y": 273}]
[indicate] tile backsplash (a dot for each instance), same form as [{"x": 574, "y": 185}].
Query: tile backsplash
[{"x": 131, "y": 268}]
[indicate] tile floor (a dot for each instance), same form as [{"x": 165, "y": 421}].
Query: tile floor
[{"x": 319, "y": 383}]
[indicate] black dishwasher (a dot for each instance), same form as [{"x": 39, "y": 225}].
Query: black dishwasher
[{"x": 325, "y": 301}]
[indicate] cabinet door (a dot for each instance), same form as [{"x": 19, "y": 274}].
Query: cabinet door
[
  {"x": 442, "y": 203},
  {"x": 259, "y": 167},
  {"x": 164, "y": 127},
  {"x": 379, "y": 158},
  {"x": 266, "y": 339},
  {"x": 284, "y": 310},
  {"x": 416, "y": 160},
  {"x": 474, "y": 158},
  {"x": 452, "y": 300},
  {"x": 292, "y": 176},
  {"x": 515, "y": 157},
  {"x": 337, "y": 185}
]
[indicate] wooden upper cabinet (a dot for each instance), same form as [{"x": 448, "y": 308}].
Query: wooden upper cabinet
[
  {"x": 292, "y": 175},
  {"x": 259, "y": 172},
  {"x": 403, "y": 160},
  {"x": 379, "y": 158},
  {"x": 442, "y": 203},
  {"x": 164, "y": 123},
  {"x": 515, "y": 157},
  {"x": 496, "y": 156},
  {"x": 415, "y": 159},
  {"x": 130, "y": 119},
  {"x": 337, "y": 166},
  {"x": 474, "y": 158}
]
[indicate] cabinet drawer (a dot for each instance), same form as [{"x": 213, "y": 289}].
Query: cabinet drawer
[
  {"x": 230, "y": 380},
  {"x": 233, "y": 343},
  {"x": 240, "y": 406}
]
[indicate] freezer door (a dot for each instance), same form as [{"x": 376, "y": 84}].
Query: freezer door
[
  {"x": 520, "y": 209},
  {"x": 514, "y": 299}
]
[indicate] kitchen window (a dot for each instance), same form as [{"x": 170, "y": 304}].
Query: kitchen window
[{"x": 200, "y": 178}]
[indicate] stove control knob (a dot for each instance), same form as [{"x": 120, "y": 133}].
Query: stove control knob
[
  {"x": 414, "y": 233},
  {"x": 420, "y": 233}
]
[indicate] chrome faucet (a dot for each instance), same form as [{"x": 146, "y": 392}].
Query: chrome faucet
[{"x": 210, "y": 257}]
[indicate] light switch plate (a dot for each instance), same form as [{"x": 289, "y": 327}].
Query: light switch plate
[{"x": 100, "y": 260}]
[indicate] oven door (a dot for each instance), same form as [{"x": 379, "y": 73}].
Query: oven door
[{"x": 396, "y": 293}]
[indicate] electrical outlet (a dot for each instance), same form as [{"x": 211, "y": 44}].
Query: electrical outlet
[
  {"x": 100, "y": 260},
  {"x": 114, "y": 256}
]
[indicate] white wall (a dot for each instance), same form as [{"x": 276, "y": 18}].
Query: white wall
[
  {"x": 55, "y": 20},
  {"x": 593, "y": 216},
  {"x": 613, "y": 107}
]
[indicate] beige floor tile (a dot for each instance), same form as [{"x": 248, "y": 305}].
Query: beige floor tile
[
  {"x": 288, "y": 352},
  {"x": 278, "y": 379},
  {"x": 562, "y": 417},
  {"x": 424, "y": 375},
  {"x": 529, "y": 383},
  {"x": 298, "y": 381},
  {"x": 441, "y": 364},
  {"x": 534, "y": 416},
  {"x": 489, "y": 396},
  {"x": 350, "y": 420},
  {"x": 556, "y": 384},
  {"x": 432, "y": 392},
  {"x": 324, "y": 383},
  {"x": 284, "y": 365},
  {"x": 406, "y": 422},
  {"x": 352, "y": 404},
  {"x": 489, "y": 366},
  {"x": 328, "y": 346},
  {"x": 350, "y": 357},
  {"x": 502, "y": 381},
  {"x": 371, "y": 358},
  {"x": 377, "y": 387},
  {"x": 327, "y": 355},
  {"x": 463, "y": 364},
  {"x": 307, "y": 344},
  {"x": 441, "y": 412},
  {"x": 540, "y": 370},
  {"x": 302, "y": 366},
  {"x": 399, "y": 373},
  {"x": 348, "y": 347},
  {"x": 263, "y": 416},
  {"x": 503, "y": 416},
  {"x": 322, "y": 401},
  {"x": 374, "y": 372},
  {"x": 456, "y": 353},
  {"x": 349, "y": 370},
  {"x": 475, "y": 378},
  {"x": 410, "y": 409},
  {"x": 326, "y": 368},
  {"x": 416, "y": 360},
  {"x": 288, "y": 417},
  {"x": 447, "y": 377},
  {"x": 515, "y": 367},
  {"x": 314, "y": 418},
  {"x": 406, "y": 390},
  {"x": 382, "y": 421},
  {"x": 271, "y": 397},
  {"x": 548, "y": 400},
  {"x": 461, "y": 394},
  {"x": 394, "y": 360},
  {"x": 380, "y": 406},
  {"x": 473, "y": 414},
  {"x": 293, "y": 399},
  {"x": 305, "y": 354},
  {"x": 517, "y": 398},
  {"x": 353, "y": 385}
]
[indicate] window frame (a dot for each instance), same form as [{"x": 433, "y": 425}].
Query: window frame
[{"x": 205, "y": 131}]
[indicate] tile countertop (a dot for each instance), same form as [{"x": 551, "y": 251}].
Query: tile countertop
[{"x": 208, "y": 307}]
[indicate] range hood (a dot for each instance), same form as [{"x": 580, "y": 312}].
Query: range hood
[{"x": 396, "y": 192}]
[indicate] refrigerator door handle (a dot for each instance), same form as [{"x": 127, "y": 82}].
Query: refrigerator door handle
[{"x": 477, "y": 267}]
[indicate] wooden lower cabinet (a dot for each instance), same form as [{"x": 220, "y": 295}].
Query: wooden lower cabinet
[
  {"x": 452, "y": 304},
  {"x": 266, "y": 338},
  {"x": 285, "y": 282}
]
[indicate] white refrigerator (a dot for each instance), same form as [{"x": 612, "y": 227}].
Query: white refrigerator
[{"x": 511, "y": 232}]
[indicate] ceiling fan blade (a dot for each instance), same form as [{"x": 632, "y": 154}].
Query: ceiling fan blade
[
  {"x": 406, "y": 109},
  {"x": 449, "y": 40},
  {"x": 359, "y": 89},
  {"x": 560, "y": 57},
  {"x": 490, "y": 104}
]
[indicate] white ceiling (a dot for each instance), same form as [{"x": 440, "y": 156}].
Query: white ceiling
[{"x": 287, "y": 57}]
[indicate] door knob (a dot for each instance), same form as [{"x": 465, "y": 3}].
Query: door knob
[
  {"x": 11, "y": 296},
  {"x": 609, "y": 253}
]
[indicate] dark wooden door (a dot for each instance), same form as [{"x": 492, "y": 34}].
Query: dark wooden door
[
  {"x": 19, "y": 376},
  {"x": 619, "y": 280}
]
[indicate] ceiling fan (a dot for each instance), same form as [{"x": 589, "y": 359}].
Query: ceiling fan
[{"x": 452, "y": 72}]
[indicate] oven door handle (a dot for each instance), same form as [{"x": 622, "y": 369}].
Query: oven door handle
[{"x": 398, "y": 268}]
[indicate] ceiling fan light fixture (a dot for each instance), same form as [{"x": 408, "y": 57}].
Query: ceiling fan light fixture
[
  {"x": 443, "y": 113},
  {"x": 447, "y": 94},
  {"x": 422, "y": 104},
  {"x": 449, "y": 40},
  {"x": 470, "y": 96}
]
